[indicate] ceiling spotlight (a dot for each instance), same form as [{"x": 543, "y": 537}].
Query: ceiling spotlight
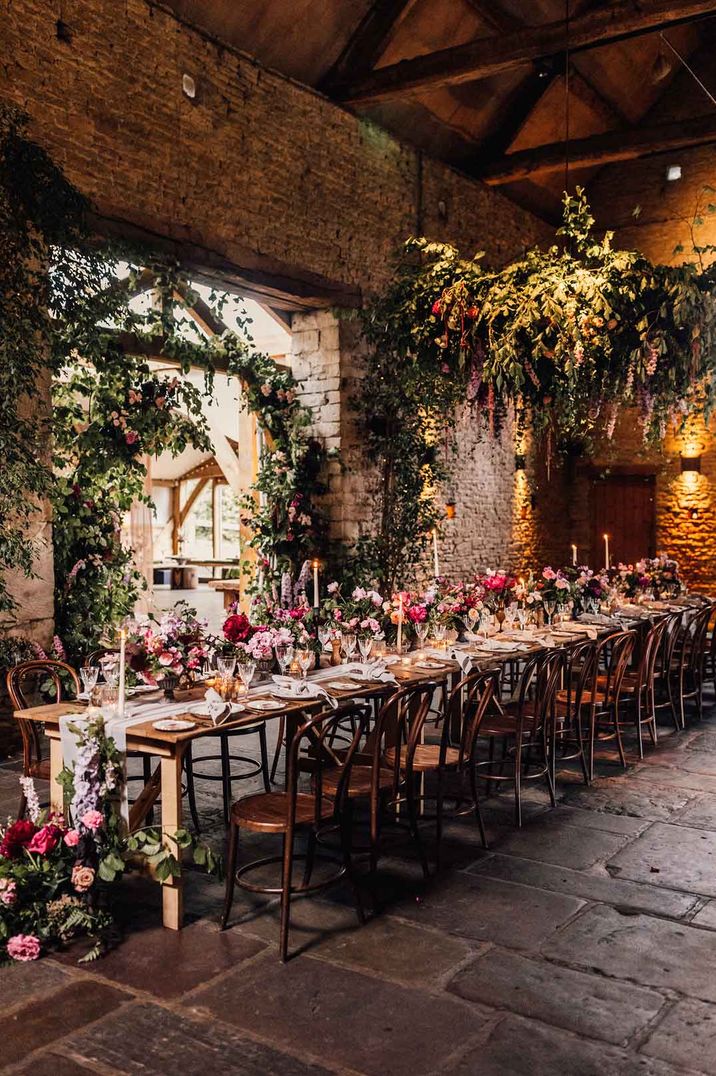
[
  {"x": 661, "y": 68},
  {"x": 673, "y": 172},
  {"x": 188, "y": 86}
]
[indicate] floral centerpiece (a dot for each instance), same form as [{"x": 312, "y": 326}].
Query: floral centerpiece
[
  {"x": 632, "y": 579},
  {"x": 363, "y": 613},
  {"x": 169, "y": 649},
  {"x": 554, "y": 586},
  {"x": 497, "y": 587},
  {"x": 664, "y": 574},
  {"x": 57, "y": 877},
  {"x": 589, "y": 589}
]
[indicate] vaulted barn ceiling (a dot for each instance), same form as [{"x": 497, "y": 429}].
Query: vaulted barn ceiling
[{"x": 482, "y": 84}]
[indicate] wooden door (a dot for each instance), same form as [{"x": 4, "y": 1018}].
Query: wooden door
[{"x": 622, "y": 506}]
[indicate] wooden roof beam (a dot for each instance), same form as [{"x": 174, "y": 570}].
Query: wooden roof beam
[
  {"x": 494, "y": 55},
  {"x": 368, "y": 43},
  {"x": 601, "y": 149}
]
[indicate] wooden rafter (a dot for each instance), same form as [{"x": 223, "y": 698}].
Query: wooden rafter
[
  {"x": 601, "y": 149},
  {"x": 497, "y": 54},
  {"x": 368, "y": 43},
  {"x": 192, "y": 499}
]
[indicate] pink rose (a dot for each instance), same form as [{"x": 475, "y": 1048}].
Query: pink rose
[
  {"x": 131, "y": 437},
  {"x": 8, "y": 891},
  {"x": 82, "y": 877},
  {"x": 23, "y": 947},
  {"x": 72, "y": 838},
  {"x": 92, "y": 819},
  {"x": 45, "y": 840}
]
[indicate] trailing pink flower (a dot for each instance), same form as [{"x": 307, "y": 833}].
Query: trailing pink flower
[{"x": 92, "y": 820}]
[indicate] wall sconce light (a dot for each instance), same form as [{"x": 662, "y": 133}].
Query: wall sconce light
[
  {"x": 450, "y": 510},
  {"x": 188, "y": 86},
  {"x": 690, "y": 463},
  {"x": 520, "y": 461},
  {"x": 694, "y": 514}
]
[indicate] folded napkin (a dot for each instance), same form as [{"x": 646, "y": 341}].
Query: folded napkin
[
  {"x": 303, "y": 689},
  {"x": 499, "y": 646},
  {"x": 370, "y": 672},
  {"x": 596, "y": 618},
  {"x": 456, "y": 653},
  {"x": 576, "y": 629}
]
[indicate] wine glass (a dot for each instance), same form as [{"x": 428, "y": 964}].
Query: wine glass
[
  {"x": 365, "y": 645},
  {"x": 349, "y": 641},
  {"x": 549, "y": 607},
  {"x": 305, "y": 660},
  {"x": 484, "y": 622},
  {"x": 421, "y": 630},
  {"x": 225, "y": 667},
  {"x": 439, "y": 633},
  {"x": 90, "y": 675},
  {"x": 511, "y": 615},
  {"x": 109, "y": 665},
  {"x": 522, "y": 615},
  {"x": 284, "y": 655},
  {"x": 246, "y": 672},
  {"x": 324, "y": 635}
]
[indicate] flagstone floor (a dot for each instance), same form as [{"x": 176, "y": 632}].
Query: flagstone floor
[{"x": 583, "y": 944}]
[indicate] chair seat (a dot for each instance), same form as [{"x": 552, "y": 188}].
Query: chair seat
[
  {"x": 630, "y": 683},
  {"x": 40, "y": 769},
  {"x": 267, "y": 812},
  {"x": 505, "y": 724},
  {"x": 427, "y": 756},
  {"x": 360, "y": 781}
]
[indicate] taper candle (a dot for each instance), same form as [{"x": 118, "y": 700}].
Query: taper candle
[
  {"x": 606, "y": 551},
  {"x": 574, "y": 555},
  {"x": 436, "y": 562},
  {"x": 122, "y": 662},
  {"x": 315, "y": 584},
  {"x": 400, "y": 624}
]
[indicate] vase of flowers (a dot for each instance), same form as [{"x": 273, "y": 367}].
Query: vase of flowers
[{"x": 168, "y": 651}]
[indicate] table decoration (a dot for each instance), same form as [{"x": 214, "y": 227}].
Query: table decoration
[{"x": 170, "y": 650}]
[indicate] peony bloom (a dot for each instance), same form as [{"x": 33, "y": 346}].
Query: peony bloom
[
  {"x": 16, "y": 837},
  {"x": 131, "y": 437},
  {"x": 45, "y": 840},
  {"x": 437, "y": 308},
  {"x": 8, "y": 891},
  {"x": 23, "y": 947},
  {"x": 82, "y": 877},
  {"x": 92, "y": 819},
  {"x": 237, "y": 628},
  {"x": 72, "y": 838},
  {"x": 333, "y": 588}
]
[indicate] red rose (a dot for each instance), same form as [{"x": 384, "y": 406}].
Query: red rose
[
  {"x": 45, "y": 840},
  {"x": 472, "y": 312},
  {"x": 237, "y": 628},
  {"x": 437, "y": 307},
  {"x": 16, "y": 837}
]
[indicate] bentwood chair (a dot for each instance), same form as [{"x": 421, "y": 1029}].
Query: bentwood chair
[
  {"x": 527, "y": 729},
  {"x": 689, "y": 657},
  {"x": 285, "y": 813},
  {"x": 665, "y": 671},
  {"x": 571, "y": 703},
  {"x": 615, "y": 652},
  {"x": 50, "y": 681},
  {"x": 637, "y": 693}
]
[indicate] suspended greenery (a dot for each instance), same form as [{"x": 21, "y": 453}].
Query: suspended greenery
[{"x": 561, "y": 339}]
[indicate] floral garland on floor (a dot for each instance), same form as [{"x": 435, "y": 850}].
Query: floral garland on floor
[{"x": 57, "y": 878}]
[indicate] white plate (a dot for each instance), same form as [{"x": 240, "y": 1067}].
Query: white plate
[
  {"x": 340, "y": 685},
  {"x": 266, "y": 704},
  {"x": 172, "y": 724},
  {"x": 430, "y": 664},
  {"x": 292, "y": 696}
]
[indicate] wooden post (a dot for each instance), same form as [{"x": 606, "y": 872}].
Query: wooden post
[
  {"x": 176, "y": 517},
  {"x": 172, "y": 890},
  {"x": 56, "y": 794}
]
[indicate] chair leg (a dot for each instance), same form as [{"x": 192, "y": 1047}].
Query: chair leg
[
  {"x": 639, "y": 730},
  {"x": 346, "y": 835},
  {"x": 518, "y": 783},
  {"x": 439, "y": 802},
  {"x": 225, "y": 776},
  {"x": 491, "y": 759},
  {"x": 285, "y": 896},
  {"x": 592, "y": 733},
  {"x": 190, "y": 789},
  {"x": 310, "y": 857},
  {"x": 478, "y": 812},
  {"x": 231, "y": 856},
  {"x": 264, "y": 757},
  {"x": 279, "y": 745},
  {"x": 413, "y": 824},
  {"x": 147, "y": 774},
  {"x": 22, "y": 808}
]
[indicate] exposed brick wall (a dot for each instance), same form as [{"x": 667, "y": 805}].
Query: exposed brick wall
[{"x": 268, "y": 181}]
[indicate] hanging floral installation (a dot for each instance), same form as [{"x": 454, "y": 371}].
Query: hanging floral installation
[{"x": 562, "y": 340}]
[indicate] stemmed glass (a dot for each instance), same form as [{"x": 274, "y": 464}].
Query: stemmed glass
[
  {"x": 522, "y": 615},
  {"x": 439, "y": 632},
  {"x": 284, "y": 655},
  {"x": 421, "y": 630},
  {"x": 349, "y": 644},
  {"x": 484, "y": 622},
  {"x": 305, "y": 660},
  {"x": 225, "y": 667},
  {"x": 90, "y": 675},
  {"x": 246, "y": 672},
  {"x": 511, "y": 615},
  {"x": 365, "y": 645},
  {"x": 324, "y": 635},
  {"x": 549, "y": 607}
]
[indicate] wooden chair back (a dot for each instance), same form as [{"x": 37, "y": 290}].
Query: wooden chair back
[
  {"x": 315, "y": 737},
  {"x": 23, "y": 684}
]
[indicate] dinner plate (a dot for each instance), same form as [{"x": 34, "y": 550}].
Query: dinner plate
[
  {"x": 266, "y": 704},
  {"x": 340, "y": 685},
  {"x": 429, "y": 664},
  {"x": 292, "y": 696},
  {"x": 202, "y": 710},
  {"x": 173, "y": 724}
]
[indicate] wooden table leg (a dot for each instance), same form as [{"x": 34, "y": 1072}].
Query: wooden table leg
[
  {"x": 56, "y": 791},
  {"x": 172, "y": 890}
]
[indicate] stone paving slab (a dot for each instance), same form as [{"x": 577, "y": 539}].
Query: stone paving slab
[
  {"x": 706, "y": 917},
  {"x": 589, "y": 886},
  {"x": 608, "y": 821},
  {"x": 587, "y": 1004},
  {"x": 168, "y": 963},
  {"x": 649, "y": 951},
  {"x": 472, "y": 906},
  {"x": 656, "y": 800},
  {"x": 699, "y": 812},
  {"x": 674, "y": 777},
  {"x": 673, "y": 856},
  {"x": 21, "y": 982},
  {"x": 565, "y": 845},
  {"x": 45, "y": 1019},
  {"x": 519, "y": 1047},
  {"x": 363, "y": 1023},
  {"x": 148, "y": 1038},
  {"x": 686, "y": 1036}
]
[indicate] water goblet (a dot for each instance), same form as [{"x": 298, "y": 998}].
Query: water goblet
[
  {"x": 365, "y": 645},
  {"x": 484, "y": 622},
  {"x": 421, "y": 630},
  {"x": 349, "y": 641},
  {"x": 549, "y": 607},
  {"x": 439, "y": 633},
  {"x": 522, "y": 615},
  {"x": 305, "y": 660},
  {"x": 284, "y": 655},
  {"x": 246, "y": 672},
  {"x": 89, "y": 674},
  {"x": 225, "y": 667},
  {"x": 324, "y": 635}
]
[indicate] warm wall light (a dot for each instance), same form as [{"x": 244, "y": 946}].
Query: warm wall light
[
  {"x": 450, "y": 510},
  {"x": 694, "y": 514},
  {"x": 520, "y": 461},
  {"x": 690, "y": 463}
]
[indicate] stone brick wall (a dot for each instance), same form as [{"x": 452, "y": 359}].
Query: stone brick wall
[{"x": 261, "y": 180}]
